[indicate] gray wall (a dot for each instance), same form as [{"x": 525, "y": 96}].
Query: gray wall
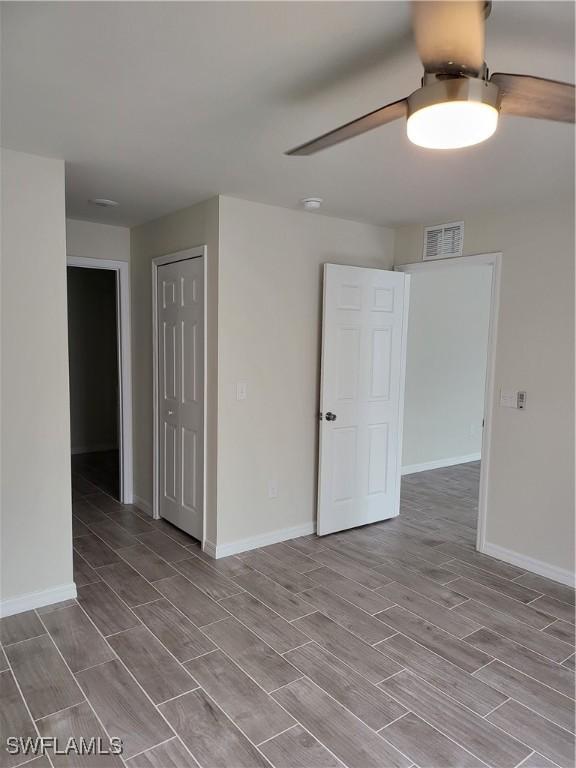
[
  {"x": 264, "y": 302},
  {"x": 36, "y": 522},
  {"x": 190, "y": 227},
  {"x": 531, "y": 461},
  {"x": 97, "y": 241},
  {"x": 93, "y": 353},
  {"x": 270, "y": 305}
]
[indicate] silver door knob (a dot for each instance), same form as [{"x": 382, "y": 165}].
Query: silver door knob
[
  {"x": 170, "y": 413},
  {"x": 330, "y": 416}
]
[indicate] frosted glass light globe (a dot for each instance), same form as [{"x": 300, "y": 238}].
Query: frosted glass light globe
[{"x": 452, "y": 124}]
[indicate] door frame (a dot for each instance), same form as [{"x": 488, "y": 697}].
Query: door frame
[
  {"x": 189, "y": 253},
  {"x": 493, "y": 260},
  {"x": 123, "y": 333}
]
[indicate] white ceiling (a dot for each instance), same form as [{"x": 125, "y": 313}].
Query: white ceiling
[{"x": 161, "y": 105}]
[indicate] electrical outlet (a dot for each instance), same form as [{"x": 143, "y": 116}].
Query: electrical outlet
[{"x": 272, "y": 489}]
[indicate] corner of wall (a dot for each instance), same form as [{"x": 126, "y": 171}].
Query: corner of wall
[
  {"x": 195, "y": 225},
  {"x": 408, "y": 243},
  {"x": 36, "y": 497}
]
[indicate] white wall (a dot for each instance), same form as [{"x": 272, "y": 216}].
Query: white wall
[
  {"x": 270, "y": 262},
  {"x": 446, "y": 364},
  {"x": 531, "y": 462},
  {"x": 36, "y": 535},
  {"x": 91, "y": 240},
  {"x": 190, "y": 227}
]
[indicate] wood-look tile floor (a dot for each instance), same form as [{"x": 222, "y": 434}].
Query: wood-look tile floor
[{"x": 392, "y": 645}]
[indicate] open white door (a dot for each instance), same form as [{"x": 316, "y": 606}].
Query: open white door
[
  {"x": 362, "y": 396},
  {"x": 180, "y": 313}
]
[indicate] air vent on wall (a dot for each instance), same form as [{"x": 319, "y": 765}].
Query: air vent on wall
[{"x": 443, "y": 241}]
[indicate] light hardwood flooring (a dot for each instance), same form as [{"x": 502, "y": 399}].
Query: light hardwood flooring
[{"x": 387, "y": 646}]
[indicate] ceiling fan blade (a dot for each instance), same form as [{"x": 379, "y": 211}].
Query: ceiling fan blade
[
  {"x": 387, "y": 114},
  {"x": 528, "y": 96},
  {"x": 449, "y": 35}
]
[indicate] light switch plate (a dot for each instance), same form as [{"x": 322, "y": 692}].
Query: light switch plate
[
  {"x": 507, "y": 398},
  {"x": 512, "y": 398},
  {"x": 241, "y": 390}
]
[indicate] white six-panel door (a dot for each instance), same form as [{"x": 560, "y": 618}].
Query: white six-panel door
[
  {"x": 362, "y": 395},
  {"x": 180, "y": 312}
]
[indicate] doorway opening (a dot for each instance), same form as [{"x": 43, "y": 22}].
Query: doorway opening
[
  {"x": 449, "y": 397},
  {"x": 179, "y": 362},
  {"x": 99, "y": 369}
]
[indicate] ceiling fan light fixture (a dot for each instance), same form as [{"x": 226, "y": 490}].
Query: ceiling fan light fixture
[
  {"x": 453, "y": 113},
  {"x": 452, "y": 124}
]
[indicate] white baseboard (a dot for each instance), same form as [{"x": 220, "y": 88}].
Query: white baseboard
[
  {"x": 210, "y": 549},
  {"x": 142, "y": 504},
  {"x": 529, "y": 563},
  {"x": 31, "y": 600},
  {"x": 410, "y": 469},
  {"x": 76, "y": 449},
  {"x": 262, "y": 540}
]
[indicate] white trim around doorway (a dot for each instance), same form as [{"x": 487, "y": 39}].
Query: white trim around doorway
[
  {"x": 122, "y": 270},
  {"x": 189, "y": 253},
  {"x": 495, "y": 261}
]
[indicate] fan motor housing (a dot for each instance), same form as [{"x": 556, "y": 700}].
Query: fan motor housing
[{"x": 454, "y": 89}]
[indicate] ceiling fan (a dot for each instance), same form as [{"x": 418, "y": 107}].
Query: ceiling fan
[{"x": 459, "y": 103}]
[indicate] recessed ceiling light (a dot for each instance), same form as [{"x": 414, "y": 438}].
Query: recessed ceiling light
[
  {"x": 311, "y": 203},
  {"x": 102, "y": 202}
]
